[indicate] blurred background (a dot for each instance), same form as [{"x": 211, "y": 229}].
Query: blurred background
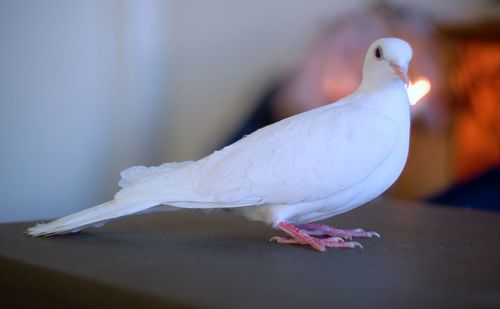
[{"x": 89, "y": 88}]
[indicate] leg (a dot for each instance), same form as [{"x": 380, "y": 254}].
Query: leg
[
  {"x": 302, "y": 238},
  {"x": 321, "y": 229}
]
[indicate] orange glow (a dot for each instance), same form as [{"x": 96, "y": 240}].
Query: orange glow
[{"x": 418, "y": 90}]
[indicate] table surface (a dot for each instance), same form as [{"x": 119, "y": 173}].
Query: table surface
[{"x": 427, "y": 256}]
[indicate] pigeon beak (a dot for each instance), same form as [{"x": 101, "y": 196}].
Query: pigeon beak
[{"x": 401, "y": 72}]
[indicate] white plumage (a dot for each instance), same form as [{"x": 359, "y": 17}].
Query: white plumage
[{"x": 304, "y": 168}]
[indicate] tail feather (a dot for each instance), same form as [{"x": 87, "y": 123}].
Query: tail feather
[{"x": 95, "y": 216}]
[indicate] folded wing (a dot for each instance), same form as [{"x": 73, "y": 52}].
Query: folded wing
[{"x": 302, "y": 158}]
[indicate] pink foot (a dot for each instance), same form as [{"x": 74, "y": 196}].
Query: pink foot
[
  {"x": 331, "y": 242},
  {"x": 302, "y": 238},
  {"x": 318, "y": 229}
]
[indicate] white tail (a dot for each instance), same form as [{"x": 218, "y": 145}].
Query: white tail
[{"x": 95, "y": 216}]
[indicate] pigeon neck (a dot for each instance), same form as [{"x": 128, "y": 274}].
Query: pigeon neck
[
  {"x": 376, "y": 76},
  {"x": 374, "y": 82}
]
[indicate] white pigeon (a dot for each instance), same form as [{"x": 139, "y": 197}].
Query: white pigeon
[{"x": 299, "y": 170}]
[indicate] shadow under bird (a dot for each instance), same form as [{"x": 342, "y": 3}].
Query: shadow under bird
[{"x": 292, "y": 173}]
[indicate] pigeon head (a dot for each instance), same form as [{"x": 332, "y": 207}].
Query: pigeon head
[{"x": 387, "y": 59}]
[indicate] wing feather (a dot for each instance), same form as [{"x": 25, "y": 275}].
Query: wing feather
[
  {"x": 300, "y": 159},
  {"x": 306, "y": 157}
]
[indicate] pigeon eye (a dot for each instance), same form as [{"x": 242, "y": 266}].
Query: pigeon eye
[{"x": 378, "y": 53}]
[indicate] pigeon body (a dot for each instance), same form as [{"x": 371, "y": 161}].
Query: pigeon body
[{"x": 304, "y": 168}]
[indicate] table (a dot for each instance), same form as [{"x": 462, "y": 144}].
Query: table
[{"x": 428, "y": 256}]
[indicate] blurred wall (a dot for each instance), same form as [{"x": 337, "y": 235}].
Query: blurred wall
[
  {"x": 224, "y": 52},
  {"x": 88, "y": 88},
  {"x": 82, "y": 88}
]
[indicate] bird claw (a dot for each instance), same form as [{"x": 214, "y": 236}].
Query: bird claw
[
  {"x": 336, "y": 238},
  {"x": 331, "y": 242},
  {"x": 355, "y": 243},
  {"x": 317, "y": 229},
  {"x": 300, "y": 237}
]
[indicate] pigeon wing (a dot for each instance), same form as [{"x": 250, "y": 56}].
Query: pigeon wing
[{"x": 302, "y": 158}]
